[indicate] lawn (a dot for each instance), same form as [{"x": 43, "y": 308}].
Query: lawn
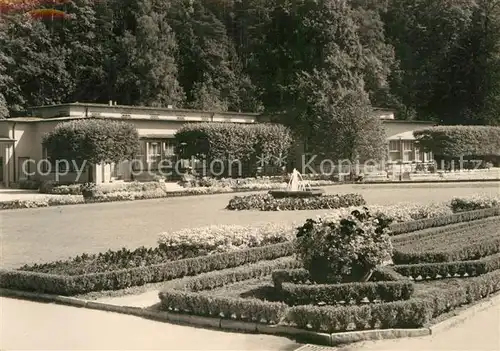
[{"x": 49, "y": 234}]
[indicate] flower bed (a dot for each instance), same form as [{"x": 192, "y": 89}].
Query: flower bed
[
  {"x": 66, "y": 284},
  {"x": 431, "y": 271},
  {"x": 463, "y": 204},
  {"x": 460, "y": 244},
  {"x": 266, "y": 202},
  {"x": 317, "y": 305},
  {"x": 49, "y": 201}
]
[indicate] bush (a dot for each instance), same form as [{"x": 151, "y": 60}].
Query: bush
[
  {"x": 124, "y": 278},
  {"x": 464, "y": 204},
  {"x": 334, "y": 294},
  {"x": 452, "y": 142},
  {"x": 54, "y": 188},
  {"x": 29, "y": 184},
  {"x": 224, "y": 238},
  {"x": 413, "y": 313},
  {"x": 408, "y": 227},
  {"x": 50, "y": 201},
  {"x": 266, "y": 202},
  {"x": 232, "y": 141},
  {"x": 92, "y": 141},
  {"x": 345, "y": 249},
  {"x": 428, "y": 271}
]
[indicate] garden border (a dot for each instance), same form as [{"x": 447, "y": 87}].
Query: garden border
[
  {"x": 113, "y": 280},
  {"x": 26, "y": 204},
  {"x": 44, "y": 282},
  {"x": 333, "y": 339}
]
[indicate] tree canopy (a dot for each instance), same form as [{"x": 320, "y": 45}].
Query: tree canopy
[{"x": 297, "y": 60}]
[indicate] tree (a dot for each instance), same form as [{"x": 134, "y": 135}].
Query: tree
[
  {"x": 92, "y": 141},
  {"x": 210, "y": 72},
  {"x": 145, "y": 51},
  {"x": 35, "y": 63},
  {"x": 4, "y": 111}
]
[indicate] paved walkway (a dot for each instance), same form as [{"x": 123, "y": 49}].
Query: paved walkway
[
  {"x": 47, "y": 234},
  {"x": 38, "y": 326},
  {"x": 479, "y": 333},
  {"x": 26, "y": 325}
]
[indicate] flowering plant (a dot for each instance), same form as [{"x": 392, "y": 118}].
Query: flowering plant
[
  {"x": 478, "y": 202},
  {"x": 223, "y": 238},
  {"x": 344, "y": 247}
]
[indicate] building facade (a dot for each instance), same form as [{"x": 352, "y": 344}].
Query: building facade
[{"x": 22, "y": 153}]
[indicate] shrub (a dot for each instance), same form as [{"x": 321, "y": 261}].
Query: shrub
[
  {"x": 124, "y": 278},
  {"x": 429, "y": 271},
  {"x": 333, "y": 294},
  {"x": 344, "y": 249},
  {"x": 243, "y": 142},
  {"x": 457, "y": 141},
  {"x": 266, "y": 202},
  {"x": 92, "y": 141},
  {"x": 49, "y": 201},
  {"x": 224, "y": 238},
  {"x": 29, "y": 184},
  {"x": 408, "y": 227},
  {"x": 463, "y": 204}
]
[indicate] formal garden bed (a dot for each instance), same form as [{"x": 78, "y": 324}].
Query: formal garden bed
[
  {"x": 266, "y": 202},
  {"x": 328, "y": 300},
  {"x": 411, "y": 272}
]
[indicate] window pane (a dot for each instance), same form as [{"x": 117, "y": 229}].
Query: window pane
[{"x": 394, "y": 145}]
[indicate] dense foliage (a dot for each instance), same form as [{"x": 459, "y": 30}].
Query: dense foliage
[
  {"x": 92, "y": 141},
  {"x": 314, "y": 65},
  {"x": 266, "y": 202},
  {"x": 232, "y": 141},
  {"x": 469, "y": 142},
  {"x": 344, "y": 248}
]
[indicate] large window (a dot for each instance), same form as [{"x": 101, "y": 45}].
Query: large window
[
  {"x": 394, "y": 151},
  {"x": 160, "y": 152}
]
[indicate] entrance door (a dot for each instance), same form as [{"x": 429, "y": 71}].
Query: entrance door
[{"x": 1, "y": 170}]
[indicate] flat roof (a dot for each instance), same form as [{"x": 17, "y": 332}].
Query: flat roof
[
  {"x": 131, "y": 107},
  {"x": 407, "y": 121}
]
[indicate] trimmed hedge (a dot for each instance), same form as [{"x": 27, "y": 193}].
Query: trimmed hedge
[
  {"x": 120, "y": 279},
  {"x": 457, "y": 141},
  {"x": 430, "y": 271},
  {"x": 45, "y": 202},
  {"x": 403, "y": 239},
  {"x": 240, "y": 141},
  {"x": 295, "y": 288},
  {"x": 407, "y": 227},
  {"x": 333, "y": 294},
  {"x": 456, "y": 245},
  {"x": 412, "y": 313},
  {"x": 266, "y": 202},
  {"x": 216, "y": 279}
]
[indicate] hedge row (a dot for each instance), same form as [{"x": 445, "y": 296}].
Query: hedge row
[
  {"x": 412, "y": 313},
  {"x": 266, "y": 202},
  {"x": 462, "y": 251},
  {"x": 216, "y": 279},
  {"x": 301, "y": 276},
  {"x": 457, "y": 141},
  {"x": 46, "y": 202},
  {"x": 115, "y": 280},
  {"x": 407, "y": 227},
  {"x": 445, "y": 231},
  {"x": 430, "y": 271},
  {"x": 333, "y": 294}
]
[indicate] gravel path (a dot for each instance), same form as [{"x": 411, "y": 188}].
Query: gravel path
[{"x": 54, "y": 233}]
